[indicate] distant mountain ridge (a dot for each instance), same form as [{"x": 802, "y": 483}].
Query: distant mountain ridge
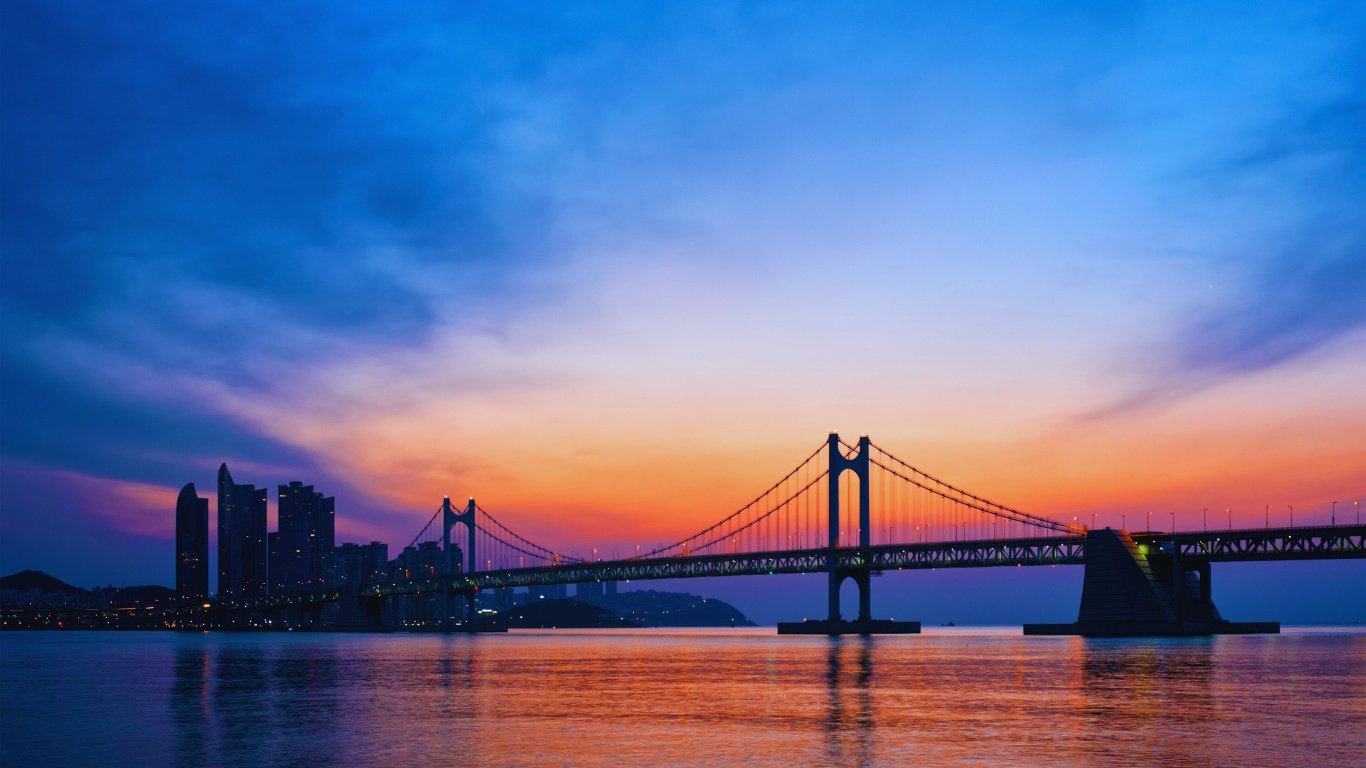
[
  {"x": 36, "y": 589},
  {"x": 650, "y": 608},
  {"x": 642, "y": 608},
  {"x": 645, "y": 608},
  {"x": 26, "y": 581},
  {"x": 563, "y": 614}
]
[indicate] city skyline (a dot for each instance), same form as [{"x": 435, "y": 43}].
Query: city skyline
[
  {"x": 1107, "y": 262},
  {"x": 318, "y": 565}
]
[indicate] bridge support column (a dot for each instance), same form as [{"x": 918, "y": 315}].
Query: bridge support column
[
  {"x": 865, "y": 595},
  {"x": 1123, "y": 594},
  {"x": 849, "y": 563}
]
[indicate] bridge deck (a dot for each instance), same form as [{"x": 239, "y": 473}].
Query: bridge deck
[{"x": 1303, "y": 543}]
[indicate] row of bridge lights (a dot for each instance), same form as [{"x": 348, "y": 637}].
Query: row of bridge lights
[{"x": 1204, "y": 517}]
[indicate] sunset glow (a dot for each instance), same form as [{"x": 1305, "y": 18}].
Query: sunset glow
[{"x": 614, "y": 279}]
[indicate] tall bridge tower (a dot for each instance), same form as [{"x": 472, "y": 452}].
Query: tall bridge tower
[
  {"x": 861, "y": 571},
  {"x": 839, "y": 464}
]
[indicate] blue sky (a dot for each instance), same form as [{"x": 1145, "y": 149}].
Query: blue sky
[{"x": 1082, "y": 255}]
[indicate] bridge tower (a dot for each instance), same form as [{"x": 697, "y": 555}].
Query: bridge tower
[
  {"x": 449, "y": 518},
  {"x": 838, "y": 563},
  {"x": 859, "y": 466}
]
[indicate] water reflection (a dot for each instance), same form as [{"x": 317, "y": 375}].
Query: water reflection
[
  {"x": 849, "y": 717},
  {"x": 1130, "y": 686},
  {"x": 303, "y": 693},
  {"x": 727, "y": 699},
  {"x": 190, "y": 705}
]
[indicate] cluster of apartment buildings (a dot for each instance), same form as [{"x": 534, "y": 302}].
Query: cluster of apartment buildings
[{"x": 300, "y": 555}]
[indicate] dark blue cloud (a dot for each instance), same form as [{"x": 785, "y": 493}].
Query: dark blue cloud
[
  {"x": 228, "y": 193},
  {"x": 277, "y": 156},
  {"x": 58, "y": 420}
]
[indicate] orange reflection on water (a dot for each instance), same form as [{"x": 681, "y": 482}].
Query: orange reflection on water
[{"x": 685, "y": 697}]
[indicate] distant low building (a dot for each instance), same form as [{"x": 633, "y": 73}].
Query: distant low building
[
  {"x": 356, "y": 564},
  {"x": 590, "y": 591}
]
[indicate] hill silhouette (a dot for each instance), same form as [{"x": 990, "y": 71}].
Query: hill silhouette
[
  {"x": 563, "y": 614},
  {"x": 17, "y": 590},
  {"x": 27, "y": 581}
]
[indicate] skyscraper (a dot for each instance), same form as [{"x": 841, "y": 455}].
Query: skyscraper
[
  {"x": 191, "y": 547},
  {"x": 241, "y": 539},
  {"x": 322, "y": 564},
  {"x": 307, "y": 536}
]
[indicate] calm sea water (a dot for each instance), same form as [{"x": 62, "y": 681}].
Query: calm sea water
[{"x": 671, "y": 697}]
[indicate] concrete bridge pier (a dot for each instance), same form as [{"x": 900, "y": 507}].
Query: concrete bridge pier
[{"x": 1129, "y": 592}]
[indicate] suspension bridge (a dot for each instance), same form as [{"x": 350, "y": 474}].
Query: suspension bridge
[{"x": 850, "y": 511}]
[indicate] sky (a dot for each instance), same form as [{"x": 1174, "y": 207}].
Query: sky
[{"x": 615, "y": 267}]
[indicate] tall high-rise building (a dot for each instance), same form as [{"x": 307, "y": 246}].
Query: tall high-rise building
[
  {"x": 241, "y": 539},
  {"x": 322, "y": 565},
  {"x": 191, "y": 547},
  {"x": 307, "y": 534},
  {"x": 275, "y": 563}
]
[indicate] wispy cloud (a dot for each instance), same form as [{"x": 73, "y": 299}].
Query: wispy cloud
[
  {"x": 1285, "y": 190},
  {"x": 1307, "y": 282}
]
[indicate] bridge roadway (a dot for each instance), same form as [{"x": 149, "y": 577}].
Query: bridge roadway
[{"x": 1260, "y": 544}]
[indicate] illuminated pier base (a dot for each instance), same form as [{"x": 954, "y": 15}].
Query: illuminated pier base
[
  {"x": 1155, "y": 628},
  {"x": 1129, "y": 592}
]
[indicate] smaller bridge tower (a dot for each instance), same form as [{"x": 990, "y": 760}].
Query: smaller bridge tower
[{"x": 449, "y": 518}]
